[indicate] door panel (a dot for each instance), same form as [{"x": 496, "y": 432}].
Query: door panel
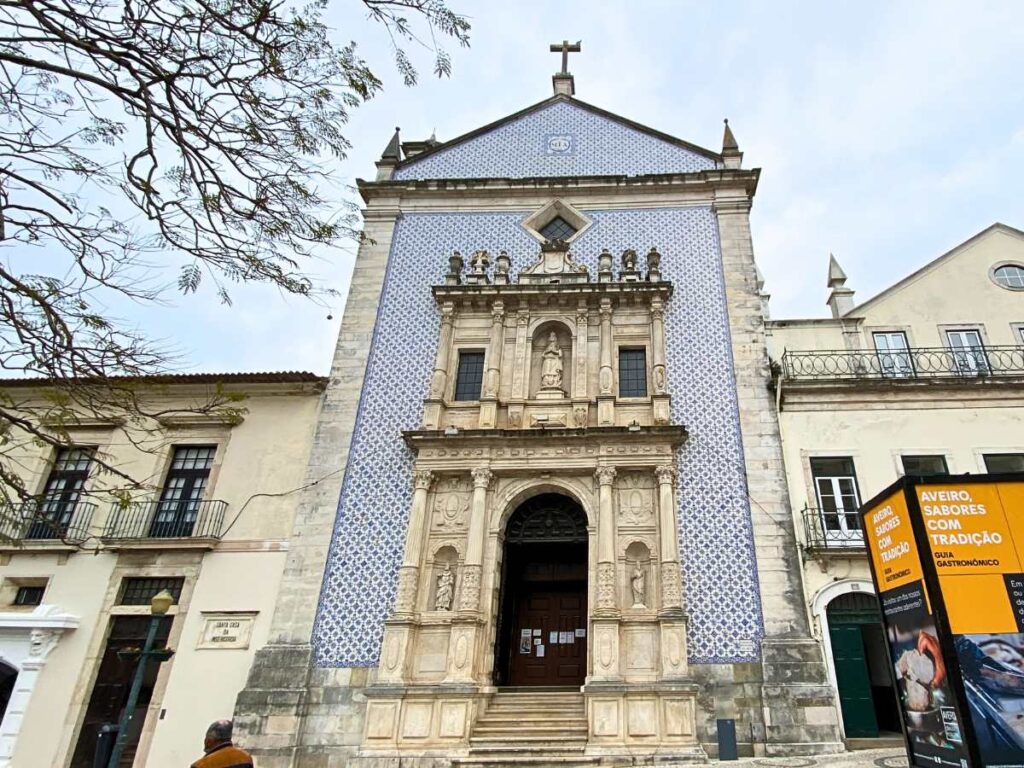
[
  {"x": 544, "y": 610},
  {"x": 853, "y": 680}
]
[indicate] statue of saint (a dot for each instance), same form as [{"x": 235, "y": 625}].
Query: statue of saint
[
  {"x": 638, "y": 584},
  {"x": 551, "y": 368},
  {"x": 445, "y": 589}
]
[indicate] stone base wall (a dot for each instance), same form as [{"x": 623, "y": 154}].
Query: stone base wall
[{"x": 293, "y": 715}]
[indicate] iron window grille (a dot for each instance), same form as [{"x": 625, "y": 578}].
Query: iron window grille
[
  {"x": 558, "y": 229},
  {"x": 31, "y": 595},
  {"x": 999, "y": 463},
  {"x": 470, "y": 378},
  {"x": 182, "y": 496},
  {"x": 835, "y": 485},
  {"x": 924, "y": 465},
  {"x": 140, "y": 590},
  {"x": 61, "y": 495},
  {"x": 632, "y": 373}
]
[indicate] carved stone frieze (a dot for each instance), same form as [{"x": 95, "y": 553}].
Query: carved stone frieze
[
  {"x": 606, "y": 585},
  {"x": 469, "y": 594},
  {"x": 451, "y": 504},
  {"x": 671, "y": 586},
  {"x": 636, "y": 499}
]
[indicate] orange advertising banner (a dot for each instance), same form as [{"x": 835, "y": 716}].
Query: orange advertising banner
[{"x": 891, "y": 541}]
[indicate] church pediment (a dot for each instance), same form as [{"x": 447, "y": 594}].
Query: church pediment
[{"x": 560, "y": 136}]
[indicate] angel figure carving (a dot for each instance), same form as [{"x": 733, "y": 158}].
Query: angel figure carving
[{"x": 551, "y": 368}]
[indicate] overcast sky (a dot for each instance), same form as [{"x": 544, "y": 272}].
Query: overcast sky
[{"x": 887, "y": 133}]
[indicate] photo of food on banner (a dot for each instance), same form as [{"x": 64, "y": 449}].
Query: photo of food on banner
[
  {"x": 992, "y": 667},
  {"x": 923, "y": 685}
]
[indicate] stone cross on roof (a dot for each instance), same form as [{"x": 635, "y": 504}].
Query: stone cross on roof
[{"x": 565, "y": 48}]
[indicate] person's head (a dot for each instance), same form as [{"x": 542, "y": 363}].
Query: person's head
[{"x": 217, "y": 734}]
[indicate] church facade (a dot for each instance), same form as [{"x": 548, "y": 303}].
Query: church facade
[{"x": 528, "y": 531}]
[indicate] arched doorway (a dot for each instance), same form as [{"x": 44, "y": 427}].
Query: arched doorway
[
  {"x": 863, "y": 678},
  {"x": 542, "y": 621},
  {"x": 8, "y": 676}
]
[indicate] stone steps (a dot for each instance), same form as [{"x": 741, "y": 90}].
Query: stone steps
[{"x": 530, "y": 727}]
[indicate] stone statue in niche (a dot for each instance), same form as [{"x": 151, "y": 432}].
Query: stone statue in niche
[
  {"x": 551, "y": 366},
  {"x": 445, "y": 589},
  {"x": 638, "y": 583}
]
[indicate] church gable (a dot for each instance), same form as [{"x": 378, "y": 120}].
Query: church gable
[{"x": 560, "y": 137}]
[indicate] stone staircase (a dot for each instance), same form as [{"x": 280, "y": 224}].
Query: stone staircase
[{"x": 530, "y": 726}]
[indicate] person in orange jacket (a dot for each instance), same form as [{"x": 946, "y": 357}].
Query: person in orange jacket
[{"x": 220, "y": 752}]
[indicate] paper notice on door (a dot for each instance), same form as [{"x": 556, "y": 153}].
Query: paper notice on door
[
  {"x": 536, "y": 633},
  {"x": 552, "y": 638},
  {"x": 537, "y": 641},
  {"x": 565, "y": 638},
  {"x": 540, "y": 651},
  {"x": 581, "y": 633},
  {"x": 524, "y": 641}
]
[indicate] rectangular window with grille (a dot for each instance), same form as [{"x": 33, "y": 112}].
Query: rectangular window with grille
[
  {"x": 470, "y": 378},
  {"x": 141, "y": 590},
  {"x": 29, "y": 595},
  {"x": 182, "y": 497},
  {"x": 999, "y": 463},
  {"x": 62, "y": 493},
  {"x": 924, "y": 465},
  {"x": 632, "y": 373}
]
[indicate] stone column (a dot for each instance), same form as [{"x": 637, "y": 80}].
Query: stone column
[
  {"x": 408, "y": 574},
  {"x": 580, "y": 354},
  {"x": 463, "y": 663},
  {"x": 469, "y": 595},
  {"x": 662, "y": 408},
  {"x": 606, "y": 397},
  {"x": 519, "y": 366},
  {"x": 439, "y": 380},
  {"x": 605, "y": 644},
  {"x": 671, "y": 577},
  {"x": 670, "y": 616},
  {"x": 605, "y": 541},
  {"x": 492, "y": 376}
]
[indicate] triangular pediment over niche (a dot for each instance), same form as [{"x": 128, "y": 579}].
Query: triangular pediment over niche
[{"x": 560, "y": 136}]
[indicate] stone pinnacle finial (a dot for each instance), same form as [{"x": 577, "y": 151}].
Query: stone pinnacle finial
[
  {"x": 840, "y": 299},
  {"x": 731, "y": 154},
  {"x": 836, "y": 276},
  {"x": 393, "y": 151},
  {"x": 728, "y": 140}
]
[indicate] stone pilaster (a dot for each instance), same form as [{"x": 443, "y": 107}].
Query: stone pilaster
[
  {"x": 606, "y": 396},
  {"x": 434, "y": 404},
  {"x": 408, "y": 577},
  {"x": 285, "y": 696},
  {"x": 492, "y": 376},
  {"x": 798, "y": 703},
  {"x": 469, "y": 592}
]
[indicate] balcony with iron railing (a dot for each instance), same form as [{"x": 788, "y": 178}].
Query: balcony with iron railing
[
  {"x": 200, "y": 522},
  {"x": 911, "y": 364},
  {"x": 53, "y": 520},
  {"x": 829, "y": 531}
]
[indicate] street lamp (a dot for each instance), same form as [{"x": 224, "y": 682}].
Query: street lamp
[{"x": 158, "y": 607}]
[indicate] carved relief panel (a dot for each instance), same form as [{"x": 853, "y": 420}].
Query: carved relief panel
[
  {"x": 636, "y": 497},
  {"x": 450, "y": 510}
]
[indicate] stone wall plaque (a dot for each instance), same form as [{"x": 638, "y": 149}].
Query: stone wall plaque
[{"x": 228, "y": 631}]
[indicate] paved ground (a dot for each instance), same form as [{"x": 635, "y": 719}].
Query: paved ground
[{"x": 866, "y": 758}]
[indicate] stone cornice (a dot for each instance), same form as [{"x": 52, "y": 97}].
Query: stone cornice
[
  {"x": 419, "y": 438},
  {"x": 545, "y": 292},
  {"x": 706, "y": 181},
  {"x": 888, "y": 394}
]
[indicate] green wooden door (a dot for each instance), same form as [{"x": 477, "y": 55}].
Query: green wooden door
[{"x": 853, "y": 680}]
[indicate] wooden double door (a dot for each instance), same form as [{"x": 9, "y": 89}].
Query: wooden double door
[{"x": 550, "y": 635}]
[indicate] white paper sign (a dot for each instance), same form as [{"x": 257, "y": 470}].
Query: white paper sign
[
  {"x": 565, "y": 638},
  {"x": 581, "y": 633},
  {"x": 553, "y": 638},
  {"x": 540, "y": 651}
]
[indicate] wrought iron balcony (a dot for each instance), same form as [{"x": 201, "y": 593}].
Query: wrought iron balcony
[
  {"x": 832, "y": 531},
  {"x": 46, "y": 519},
  {"x": 965, "y": 363},
  {"x": 171, "y": 519}
]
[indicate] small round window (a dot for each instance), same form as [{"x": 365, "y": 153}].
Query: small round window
[{"x": 1009, "y": 276}]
